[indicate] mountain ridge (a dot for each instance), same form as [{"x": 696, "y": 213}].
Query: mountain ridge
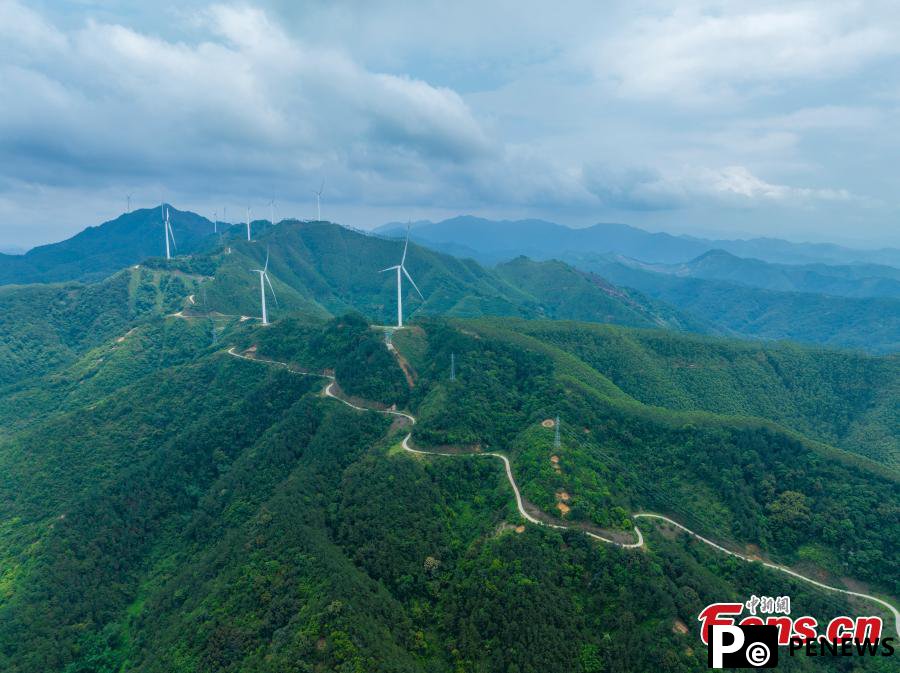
[{"x": 537, "y": 238}]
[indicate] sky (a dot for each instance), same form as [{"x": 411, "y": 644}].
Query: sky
[{"x": 723, "y": 119}]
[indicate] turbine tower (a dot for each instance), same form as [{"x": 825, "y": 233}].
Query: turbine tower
[
  {"x": 263, "y": 279},
  {"x": 272, "y": 210},
  {"x": 401, "y": 268},
  {"x": 215, "y": 221},
  {"x": 318, "y": 201},
  {"x": 128, "y": 203},
  {"x": 168, "y": 233},
  {"x": 248, "y": 223}
]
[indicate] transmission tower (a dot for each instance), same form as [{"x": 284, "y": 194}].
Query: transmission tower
[
  {"x": 556, "y": 441},
  {"x": 452, "y": 366}
]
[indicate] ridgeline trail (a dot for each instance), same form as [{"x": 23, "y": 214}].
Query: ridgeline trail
[{"x": 328, "y": 391}]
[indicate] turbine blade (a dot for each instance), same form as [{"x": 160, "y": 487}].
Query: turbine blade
[
  {"x": 171, "y": 234},
  {"x": 405, "y": 246},
  {"x": 390, "y": 268},
  {"x": 266, "y": 266},
  {"x": 406, "y": 273},
  {"x": 266, "y": 276}
]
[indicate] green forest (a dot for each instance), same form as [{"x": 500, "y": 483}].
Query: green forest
[{"x": 166, "y": 506}]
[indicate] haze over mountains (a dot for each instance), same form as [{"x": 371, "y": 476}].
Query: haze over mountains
[
  {"x": 492, "y": 240},
  {"x": 850, "y": 305},
  {"x": 858, "y": 280}
]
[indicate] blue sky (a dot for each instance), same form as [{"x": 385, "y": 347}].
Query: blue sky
[{"x": 729, "y": 119}]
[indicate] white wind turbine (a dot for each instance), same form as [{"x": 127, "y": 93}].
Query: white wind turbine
[
  {"x": 272, "y": 210},
  {"x": 169, "y": 234},
  {"x": 401, "y": 268},
  {"x": 318, "y": 201},
  {"x": 248, "y": 223},
  {"x": 263, "y": 279}
]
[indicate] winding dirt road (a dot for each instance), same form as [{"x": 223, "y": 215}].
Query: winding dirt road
[{"x": 329, "y": 392}]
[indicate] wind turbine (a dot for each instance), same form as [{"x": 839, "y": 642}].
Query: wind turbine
[
  {"x": 248, "y": 223},
  {"x": 128, "y": 202},
  {"x": 215, "y": 221},
  {"x": 272, "y": 207},
  {"x": 401, "y": 268},
  {"x": 263, "y": 279},
  {"x": 318, "y": 201},
  {"x": 169, "y": 234}
]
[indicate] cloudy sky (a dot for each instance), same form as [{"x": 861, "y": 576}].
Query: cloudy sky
[{"x": 716, "y": 118}]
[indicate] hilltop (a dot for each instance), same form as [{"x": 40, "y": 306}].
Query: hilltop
[{"x": 98, "y": 251}]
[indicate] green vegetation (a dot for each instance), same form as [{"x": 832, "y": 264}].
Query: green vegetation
[
  {"x": 316, "y": 271},
  {"x": 100, "y": 251},
  {"x": 856, "y": 280},
  {"x": 734, "y": 479},
  {"x": 45, "y": 326},
  {"x": 168, "y": 508},
  {"x": 848, "y": 400},
  {"x": 870, "y": 324},
  {"x": 564, "y": 292}
]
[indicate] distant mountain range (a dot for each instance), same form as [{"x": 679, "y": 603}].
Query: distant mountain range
[
  {"x": 868, "y": 323},
  {"x": 858, "y": 280},
  {"x": 322, "y": 269},
  {"x": 492, "y": 241}
]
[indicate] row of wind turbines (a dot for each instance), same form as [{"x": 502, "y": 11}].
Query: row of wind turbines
[
  {"x": 169, "y": 234},
  {"x": 264, "y": 279},
  {"x": 399, "y": 268}
]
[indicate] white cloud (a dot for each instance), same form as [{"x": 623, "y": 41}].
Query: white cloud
[
  {"x": 710, "y": 49},
  {"x": 250, "y": 95},
  {"x": 571, "y": 113},
  {"x": 739, "y": 181}
]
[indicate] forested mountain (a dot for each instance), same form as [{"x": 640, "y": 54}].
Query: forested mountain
[
  {"x": 320, "y": 279},
  {"x": 99, "y": 251},
  {"x": 169, "y": 507},
  {"x": 848, "y": 400},
  {"x": 565, "y": 292},
  {"x": 495, "y": 241},
  {"x": 861, "y": 280},
  {"x": 322, "y": 269},
  {"x": 44, "y": 326},
  {"x": 871, "y": 324}
]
